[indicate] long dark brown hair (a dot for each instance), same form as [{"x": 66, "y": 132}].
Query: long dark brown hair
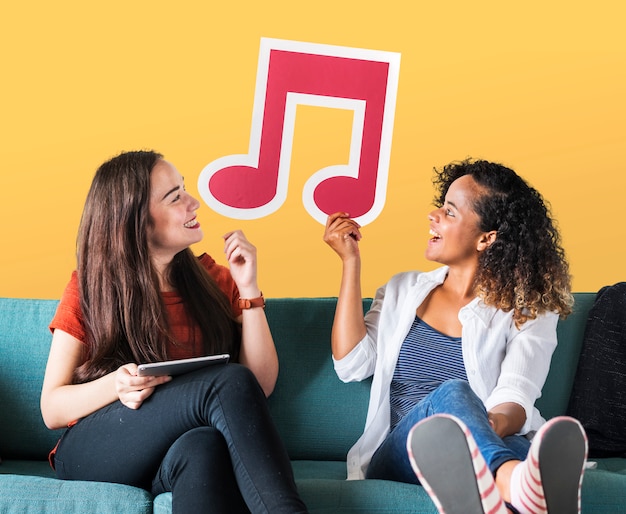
[
  {"x": 123, "y": 311},
  {"x": 525, "y": 270}
]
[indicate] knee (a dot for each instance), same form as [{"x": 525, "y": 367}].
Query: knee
[
  {"x": 238, "y": 381},
  {"x": 195, "y": 455},
  {"x": 200, "y": 440},
  {"x": 456, "y": 389},
  {"x": 238, "y": 375}
]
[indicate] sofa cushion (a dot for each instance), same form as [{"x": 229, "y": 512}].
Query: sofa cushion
[
  {"x": 22, "y": 494},
  {"x": 603, "y": 491},
  {"x": 324, "y": 490},
  {"x": 598, "y": 398}
]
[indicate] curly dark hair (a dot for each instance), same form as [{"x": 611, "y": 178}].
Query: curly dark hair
[{"x": 525, "y": 269}]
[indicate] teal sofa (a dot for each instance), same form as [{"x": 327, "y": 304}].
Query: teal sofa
[{"x": 318, "y": 416}]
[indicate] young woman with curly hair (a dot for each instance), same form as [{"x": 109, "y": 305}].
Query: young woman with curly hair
[
  {"x": 139, "y": 295},
  {"x": 463, "y": 351}
]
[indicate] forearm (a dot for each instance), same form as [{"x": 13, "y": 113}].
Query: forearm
[
  {"x": 64, "y": 404},
  {"x": 348, "y": 325},
  {"x": 258, "y": 352}
]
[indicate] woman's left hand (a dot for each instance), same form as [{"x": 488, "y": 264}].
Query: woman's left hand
[
  {"x": 507, "y": 418},
  {"x": 133, "y": 390},
  {"x": 257, "y": 351},
  {"x": 241, "y": 256}
]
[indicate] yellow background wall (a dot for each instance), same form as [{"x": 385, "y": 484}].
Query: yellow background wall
[{"x": 539, "y": 86}]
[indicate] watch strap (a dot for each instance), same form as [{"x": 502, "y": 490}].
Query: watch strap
[{"x": 249, "y": 303}]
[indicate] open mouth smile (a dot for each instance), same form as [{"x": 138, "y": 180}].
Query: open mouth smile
[{"x": 435, "y": 235}]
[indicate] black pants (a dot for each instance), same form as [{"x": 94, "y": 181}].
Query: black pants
[{"x": 206, "y": 436}]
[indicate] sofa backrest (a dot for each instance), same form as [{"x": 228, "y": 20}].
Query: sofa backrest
[
  {"x": 570, "y": 332},
  {"x": 24, "y": 345},
  {"x": 318, "y": 416}
]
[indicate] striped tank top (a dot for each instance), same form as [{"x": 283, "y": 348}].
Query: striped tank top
[{"x": 427, "y": 359}]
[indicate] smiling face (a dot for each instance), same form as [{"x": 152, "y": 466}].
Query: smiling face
[
  {"x": 173, "y": 225},
  {"x": 456, "y": 237}
]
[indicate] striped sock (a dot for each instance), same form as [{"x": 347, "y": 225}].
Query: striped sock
[
  {"x": 526, "y": 489},
  {"x": 489, "y": 494},
  {"x": 443, "y": 483},
  {"x": 562, "y": 460}
]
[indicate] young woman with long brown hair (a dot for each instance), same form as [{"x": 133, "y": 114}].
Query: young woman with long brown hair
[{"x": 139, "y": 295}]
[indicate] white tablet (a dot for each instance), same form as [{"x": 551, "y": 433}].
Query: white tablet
[{"x": 180, "y": 366}]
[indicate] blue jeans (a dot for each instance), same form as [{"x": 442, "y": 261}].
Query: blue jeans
[
  {"x": 206, "y": 436},
  {"x": 455, "y": 397}
]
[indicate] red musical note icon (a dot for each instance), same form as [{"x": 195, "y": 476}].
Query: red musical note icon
[{"x": 292, "y": 73}]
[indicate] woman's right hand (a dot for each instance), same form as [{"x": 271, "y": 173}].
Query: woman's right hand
[
  {"x": 343, "y": 234},
  {"x": 131, "y": 389}
]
